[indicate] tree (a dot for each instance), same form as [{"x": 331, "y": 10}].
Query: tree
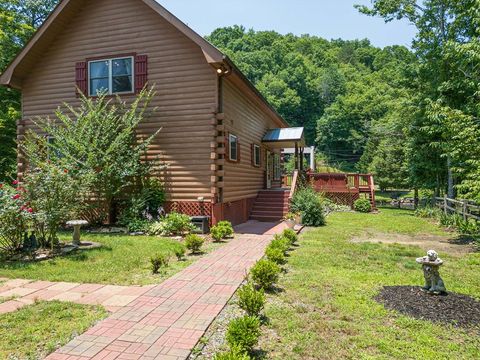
[
  {"x": 18, "y": 21},
  {"x": 99, "y": 138},
  {"x": 447, "y": 34}
]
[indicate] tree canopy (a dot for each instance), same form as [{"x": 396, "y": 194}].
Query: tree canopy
[
  {"x": 410, "y": 116},
  {"x": 18, "y": 21}
]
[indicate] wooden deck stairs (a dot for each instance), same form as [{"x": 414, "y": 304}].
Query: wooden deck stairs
[{"x": 271, "y": 205}]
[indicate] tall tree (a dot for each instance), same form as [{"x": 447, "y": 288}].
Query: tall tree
[
  {"x": 445, "y": 29},
  {"x": 18, "y": 21}
]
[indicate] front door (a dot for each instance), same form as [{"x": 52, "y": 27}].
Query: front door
[{"x": 269, "y": 165}]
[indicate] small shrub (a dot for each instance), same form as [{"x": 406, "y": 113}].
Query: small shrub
[
  {"x": 251, "y": 300},
  {"x": 427, "y": 212},
  {"x": 217, "y": 233},
  {"x": 243, "y": 333},
  {"x": 142, "y": 206},
  {"x": 173, "y": 224},
  {"x": 362, "y": 205},
  {"x": 158, "y": 262},
  {"x": 291, "y": 235},
  {"x": 275, "y": 254},
  {"x": 135, "y": 225},
  {"x": 180, "y": 252},
  {"x": 265, "y": 273},
  {"x": 446, "y": 220},
  {"x": 309, "y": 204},
  {"x": 281, "y": 243},
  {"x": 468, "y": 227},
  {"x": 194, "y": 243},
  {"x": 235, "y": 353},
  {"x": 227, "y": 228}
]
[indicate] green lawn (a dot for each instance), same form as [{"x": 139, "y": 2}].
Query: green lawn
[
  {"x": 327, "y": 311},
  {"x": 39, "y": 329},
  {"x": 123, "y": 260}
]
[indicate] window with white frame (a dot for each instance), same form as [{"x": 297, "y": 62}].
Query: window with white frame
[
  {"x": 232, "y": 147},
  {"x": 112, "y": 76},
  {"x": 256, "y": 155}
]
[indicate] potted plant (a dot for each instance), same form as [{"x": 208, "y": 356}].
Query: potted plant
[{"x": 291, "y": 219}]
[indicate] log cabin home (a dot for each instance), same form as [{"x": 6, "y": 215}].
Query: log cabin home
[{"x": 220, "y": 138}]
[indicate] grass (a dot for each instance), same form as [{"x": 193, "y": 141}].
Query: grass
[
  {"x": 122, "y": 260},
  {"x": 327, "y": 311},
  {"x": 39, "y": 329}
]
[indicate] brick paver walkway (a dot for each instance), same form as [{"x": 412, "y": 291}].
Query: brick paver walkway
[
  {"x": 167, "y": 321},
  {"x": 25, "y": 292},
  {"x": 152, "y": 322},
  {"x": 158, "y": 321}
]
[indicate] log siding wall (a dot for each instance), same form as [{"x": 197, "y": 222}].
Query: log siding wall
[
  {"x": 186, "y": 86},
  {"x": 249, "y": 122}
]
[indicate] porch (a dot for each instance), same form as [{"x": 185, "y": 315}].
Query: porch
[{"x": 272, "y": 203}]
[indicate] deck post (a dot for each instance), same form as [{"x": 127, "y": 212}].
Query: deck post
[
  {"x": 312, "y": 158},
  {"x": 296, "y": 156},
  {"x": 300, "y": 160}
]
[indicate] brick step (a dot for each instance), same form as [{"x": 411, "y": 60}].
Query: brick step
[
  {"x": 266, "y": 218},
  {"x": 271, "y": 202},
  {"x": 269, "y": 208},
  {"x": 275, "y": 193},
  {"x": 278, "y": 215}
]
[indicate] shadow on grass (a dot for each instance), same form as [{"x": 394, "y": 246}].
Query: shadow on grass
[
  {"x": 77, "y": 255},
  {"x": 258, "y": 354},
  {"x": 275, "y": 290},
  {"x": 464, "y": 240}
]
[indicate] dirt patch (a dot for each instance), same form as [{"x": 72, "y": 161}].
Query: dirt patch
[
  {"x": 456, "y": 309},
  {"x": 453, "y": 245}
]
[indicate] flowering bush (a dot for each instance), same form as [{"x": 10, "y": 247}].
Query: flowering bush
[
  {"x": 55, "y": 194},
  {"x": 16, "y": 217}
]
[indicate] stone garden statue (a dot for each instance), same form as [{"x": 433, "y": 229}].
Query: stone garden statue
[{"x": 430, "y": 265}]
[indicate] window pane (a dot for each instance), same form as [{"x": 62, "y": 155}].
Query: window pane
[
  {"x": 98, "y": 86},
  {"x": 233, "y": 148},
  {"x": 122, "y": 67},
  {"x": 122, "y": 84},
  {"x": 98, "y": 69},
  {"x": 257, "y": 155}
]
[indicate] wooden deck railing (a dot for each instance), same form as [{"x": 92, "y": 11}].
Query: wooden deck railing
[
  {"x": 294, "y": 184},
  {"x": 287, "y": 180}
]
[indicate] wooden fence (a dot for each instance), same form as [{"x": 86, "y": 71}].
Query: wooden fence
[{"x": 467, "y": 209}]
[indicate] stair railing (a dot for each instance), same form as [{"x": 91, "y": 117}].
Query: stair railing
[{"x": 294, "y": 185}]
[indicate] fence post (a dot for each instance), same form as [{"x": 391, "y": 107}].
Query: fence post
[
  {"x": 445, "y": 204},
  {"x": 465, "y": 209}
]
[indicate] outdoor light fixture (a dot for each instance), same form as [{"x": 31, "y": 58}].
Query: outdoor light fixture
[{"x": 223, "y": 70}]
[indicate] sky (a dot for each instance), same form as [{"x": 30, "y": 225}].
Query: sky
[{"x": 330, "y": 19}]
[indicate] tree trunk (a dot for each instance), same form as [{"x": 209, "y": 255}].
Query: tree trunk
[{"x": 415, "y": 199}]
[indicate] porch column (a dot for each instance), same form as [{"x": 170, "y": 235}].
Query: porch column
[
  {"x": 296, "y": 156},
  {"x": 312, "y": 158},
  {"x": 300, "y": 165}
]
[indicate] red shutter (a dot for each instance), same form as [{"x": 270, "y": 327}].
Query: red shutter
[
  {"x": 81, "y": 77},
  {"x": 141, "y": 72}
]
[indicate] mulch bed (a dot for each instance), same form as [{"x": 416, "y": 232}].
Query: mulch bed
[{"x": 456, "y": 309}]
